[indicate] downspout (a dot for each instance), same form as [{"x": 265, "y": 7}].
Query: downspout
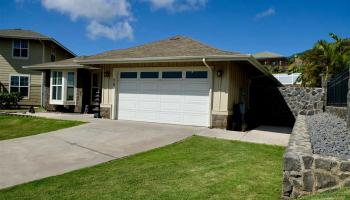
[{"x": 210, "y": 92}]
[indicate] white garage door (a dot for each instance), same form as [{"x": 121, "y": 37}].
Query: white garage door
[{"x": 175, "y": 97}]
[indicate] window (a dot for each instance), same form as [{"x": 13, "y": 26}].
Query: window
[
  {"x": 197, "y": 74},
  {"x": 20, "y": 49},
  {"x": 53, "y": 55},
  {"x": 172, "y": 75},
  {"x": 149, "y": 75},
  {"x": 20, "y": 83},
  {"x": 57, "y": 84},
  {"x": 128, "y": 74},
  {"x": 70, "y": 86}
]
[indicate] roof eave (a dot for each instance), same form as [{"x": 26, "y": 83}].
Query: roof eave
[
  {"x": 46, "y": 67},
  {"x": 163, "y": 59}
]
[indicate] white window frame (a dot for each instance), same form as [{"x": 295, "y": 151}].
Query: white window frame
[
  {"x": 64, "y": 85},
  {"x": 19, "y": 83},
  {"x": 13, "y": 48}
]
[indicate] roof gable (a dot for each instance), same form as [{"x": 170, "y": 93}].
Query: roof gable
[{"x": 30, "y": 35}]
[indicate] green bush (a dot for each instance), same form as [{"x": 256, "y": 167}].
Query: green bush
[{"x": 10, "y": 100}]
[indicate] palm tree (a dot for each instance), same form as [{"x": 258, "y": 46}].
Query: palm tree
[{"x": 324, "y": 58}]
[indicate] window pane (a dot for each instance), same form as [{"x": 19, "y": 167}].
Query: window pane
[
  {"x": 59, "y": 78},
  {"x": 70, "y": 93},
  {"x": 128, "y": 74},
  {"x": 14, "y": 89},
  {"x": 24, "y": 53},
  {"x": 24, "y": 91},
  {"x": 59, "y": 92},
  {"x": 149, "y": 74},
  {"x": 24, "y": 44},
  {"x": 24, "y": 81},
  {"x": 14, "y": 80},
  {"x": 172, "y": 74},
  {"x": 54, "y": 89},
  {"x": 16, "y": 44},
  {"x": 16, "y": 52},
  {"x": 197, "y": 74},
  {"x": 70, "y": 79}
]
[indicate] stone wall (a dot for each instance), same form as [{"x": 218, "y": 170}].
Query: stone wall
[
  {"x": 303, "y": 100},
  {"x": 307, "y": 173},
  {"x": 341, "y": 112},
  {"x": 105, "y": 112}
]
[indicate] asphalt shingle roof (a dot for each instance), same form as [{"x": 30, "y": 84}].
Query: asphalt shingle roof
[
  {"x": 174, "y": 46},
  {"x": 267, "y": 54},
  {"x": 28, "y": 34},
  {"x": 20, "y": 33}
]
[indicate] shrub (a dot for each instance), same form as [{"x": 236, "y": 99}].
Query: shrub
[{"x": 10, "y": 100}]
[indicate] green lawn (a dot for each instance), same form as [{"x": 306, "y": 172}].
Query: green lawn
[
  {"x": 343, "y": 194},
  {"x": 19, "y": 126},
  {"x": 196, "y": 168}
]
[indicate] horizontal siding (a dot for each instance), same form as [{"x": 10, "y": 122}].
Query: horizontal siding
[{"x": 34, "y": 95}]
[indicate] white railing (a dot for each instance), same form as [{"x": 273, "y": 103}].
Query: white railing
[{"x": 288, "y": 79}]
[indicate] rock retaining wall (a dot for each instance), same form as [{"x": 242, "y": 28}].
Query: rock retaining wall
[
  {"x": 304, "y": 101},
  {"x": 341, "y": 112},
  {"x": 307, "y": 173}
]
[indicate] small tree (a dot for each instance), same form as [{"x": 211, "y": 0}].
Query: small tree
[{"x": 323, "y": 59}]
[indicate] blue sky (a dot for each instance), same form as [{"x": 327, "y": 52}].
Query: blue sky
[{"x": 92, "y": 26}]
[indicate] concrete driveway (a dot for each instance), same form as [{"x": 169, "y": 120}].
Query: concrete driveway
[{"x": 35, "y": 157}]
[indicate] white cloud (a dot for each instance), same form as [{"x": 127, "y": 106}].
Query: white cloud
[
  {"x": 266, "y": 13},
  {"x": 111, "y": 18},
  {"x": 107, "y": 18},
  {"x": 177, "y": 5},
  {"x": 120, "y": 30}
]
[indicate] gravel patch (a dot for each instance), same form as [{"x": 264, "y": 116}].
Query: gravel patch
[{"x": 329, "y": 135}]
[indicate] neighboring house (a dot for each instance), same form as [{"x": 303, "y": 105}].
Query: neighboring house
[
  {"x": 276, "y": 63},
  {"x": 176, "y": 80},
  {"x": 24, "y": 47},
  {"x": 288, "y": 79}
]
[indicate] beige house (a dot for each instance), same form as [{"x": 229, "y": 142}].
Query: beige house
[
  {"x": 23, "y": 47},
  {"x": 176, "y": 80}
]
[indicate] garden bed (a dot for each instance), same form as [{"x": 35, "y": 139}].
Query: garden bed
[
  {"x": 316, "y": 159},
  {"x": 329, "y": 135}
]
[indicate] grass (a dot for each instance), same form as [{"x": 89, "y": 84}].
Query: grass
[
  {"x": 20, "y": 126},
  {"x": 343, "y": 194},
  {"x": 196, "y": 168}
]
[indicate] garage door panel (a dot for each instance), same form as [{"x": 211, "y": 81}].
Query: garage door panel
[
  {"x": 171, "y": 98},
  {"x": 195, "y": 108},
  {"x": 171, "y": 86},
  {"x": 148, "y": 86},
  {"x": 148, "y": 105},
  {"x": 170, "y": 107},
  {"x": 128, "y": 87},
  {"x": 164, "y": 101}
]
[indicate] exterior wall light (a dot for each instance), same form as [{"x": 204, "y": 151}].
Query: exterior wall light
[{"x": 219, "y": 73}]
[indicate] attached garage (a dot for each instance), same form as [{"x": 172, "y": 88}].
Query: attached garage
[
  {"x": 176, "y": 81},
  {"x": 167, "y": 96}
]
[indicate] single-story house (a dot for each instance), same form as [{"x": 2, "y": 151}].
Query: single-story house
[{"x": 177, "y": 80}]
